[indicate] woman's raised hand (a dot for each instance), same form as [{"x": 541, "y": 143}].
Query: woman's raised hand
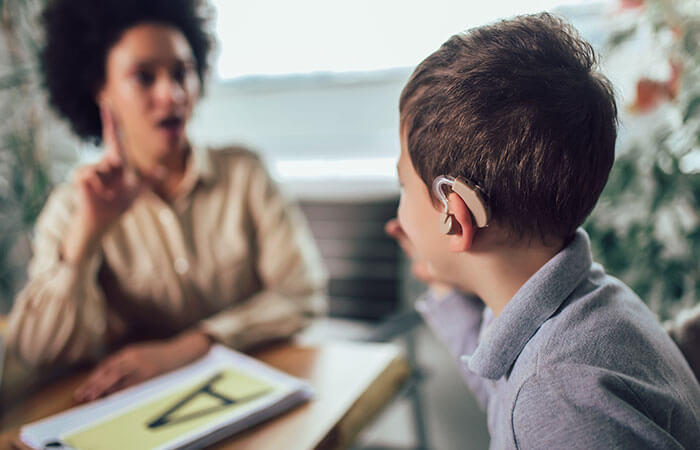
[{"x": 105, "y": 191}]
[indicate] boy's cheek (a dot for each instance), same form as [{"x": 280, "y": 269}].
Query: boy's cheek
[
  {"x": 417, "y": 239},
  {"x": 407, "y": 223},
  {"x": 407, "y": 219}
]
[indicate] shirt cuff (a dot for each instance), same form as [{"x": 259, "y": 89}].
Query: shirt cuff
[
  {"x": 222, "y": 329},
  {"x": 86, "y": 269}
]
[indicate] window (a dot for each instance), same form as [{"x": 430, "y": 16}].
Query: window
[
  {"x": 274, "y": 37},
  {"x": 313, "y": 85}
]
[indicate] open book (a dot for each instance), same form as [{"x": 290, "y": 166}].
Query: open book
[{"x": 220, "y": 394}]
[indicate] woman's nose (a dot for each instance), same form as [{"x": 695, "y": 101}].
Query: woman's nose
[{"x": 169, "y": 91}]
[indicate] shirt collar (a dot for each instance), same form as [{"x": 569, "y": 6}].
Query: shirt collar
[
  {"x": 535, "y": 302},
  {"x": 202, "y": 164},
  {"x": 200, "y": 167}
]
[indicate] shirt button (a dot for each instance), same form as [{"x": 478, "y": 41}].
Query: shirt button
[{"x": 181, "y": 265}]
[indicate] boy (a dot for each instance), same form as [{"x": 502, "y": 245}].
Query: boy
[{"x": 560, "y": 354}]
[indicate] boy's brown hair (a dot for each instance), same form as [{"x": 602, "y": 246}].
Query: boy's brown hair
[{"x": 517, "y": 108}]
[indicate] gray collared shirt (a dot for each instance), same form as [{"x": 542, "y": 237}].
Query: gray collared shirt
[{"x": 575, "y": 360}]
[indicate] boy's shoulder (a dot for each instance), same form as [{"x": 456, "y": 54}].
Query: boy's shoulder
[
  {"x": 601, "y": 321},
  {"x": 603, "y": 369},
  {"x": 570, "y": 405}
]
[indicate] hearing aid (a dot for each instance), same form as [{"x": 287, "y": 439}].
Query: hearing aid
[{"x": 472, "y": 195}]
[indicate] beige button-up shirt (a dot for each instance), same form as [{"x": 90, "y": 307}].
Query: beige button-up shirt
[{"x": 229, "y": 256}]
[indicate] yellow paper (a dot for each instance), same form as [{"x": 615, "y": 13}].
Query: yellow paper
[{"x": 194, "y": 408}]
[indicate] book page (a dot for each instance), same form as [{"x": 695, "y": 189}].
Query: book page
[
  {"x": 221, "y": 393},
  {"x": 175, "y": 415}
]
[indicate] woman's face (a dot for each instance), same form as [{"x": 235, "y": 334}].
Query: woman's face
[{"x": 151, "y": 86}]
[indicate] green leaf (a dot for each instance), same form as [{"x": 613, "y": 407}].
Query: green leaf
[
  {"x": 618, "y": 37},
  {"x": 622, "y": 177},
  {"x": 691, "y": 38},
  {"x": 18, "y": 78},
  {"x": 691, "y": 109}
]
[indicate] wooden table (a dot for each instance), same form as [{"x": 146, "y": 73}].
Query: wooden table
[{"x": 352, "y": 382}]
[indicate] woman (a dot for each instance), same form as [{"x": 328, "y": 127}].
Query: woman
[{"x": 158, "y": 242}]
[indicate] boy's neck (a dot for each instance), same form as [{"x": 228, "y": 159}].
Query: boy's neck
[{"x": 497, "y": 276}]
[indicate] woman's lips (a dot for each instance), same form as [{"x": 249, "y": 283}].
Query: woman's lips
[{"x": 172, "y": 126}]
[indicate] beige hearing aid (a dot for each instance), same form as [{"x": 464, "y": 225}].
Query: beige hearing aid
[
  {"x": 446, "y": 224},
  {"x": 471, "y": 194}
]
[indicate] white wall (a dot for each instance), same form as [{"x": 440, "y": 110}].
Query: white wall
[{"x": 347, "y": 117}]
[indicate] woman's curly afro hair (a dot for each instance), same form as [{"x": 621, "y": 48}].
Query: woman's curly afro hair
[{"x": 79, "y": 34}]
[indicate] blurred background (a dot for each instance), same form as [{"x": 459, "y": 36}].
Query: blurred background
[{"x": 313, "y": 86}]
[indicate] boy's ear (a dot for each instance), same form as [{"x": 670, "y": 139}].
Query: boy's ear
[{"x": 464, "y": 227}]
